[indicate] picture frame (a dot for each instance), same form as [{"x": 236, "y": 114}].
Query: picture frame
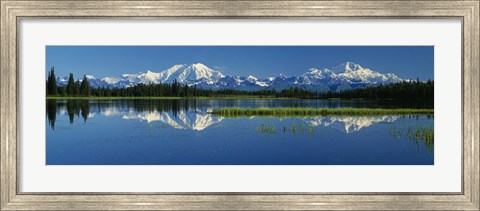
[{"x": 13, "y": 11}]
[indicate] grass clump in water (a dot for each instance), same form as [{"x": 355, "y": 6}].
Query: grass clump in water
[
  {"x": 426, "y": 134},
  {"x": 294, "y": 128},
  {"x": 419, "y": 134},
  {"x": 233, "y": 112},
  {"x": 266, "y": 128}
]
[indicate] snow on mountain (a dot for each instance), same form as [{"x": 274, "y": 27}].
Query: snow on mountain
[
  {"x": 317, "y": 76},
  {"x": 183, "y": 120},
  {"x": 348, "y": 74},
  {"x": 343, "y": 76},
  {"x": 354, "y": 73},
  {"x": 111, "y": 80},
  {"x": 346, "y": 67},
  {"x": 190, "y": 73},
  {"x": 149, "y": 77},
  {"x": 62, "y": 80},
  {"x": 349, "y": 124}
]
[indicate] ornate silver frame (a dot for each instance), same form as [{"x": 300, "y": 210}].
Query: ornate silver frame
[{"x": 468, "y": 199}]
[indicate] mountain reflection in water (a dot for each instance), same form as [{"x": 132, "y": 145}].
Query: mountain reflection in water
[{"x": 187, "y": 114}]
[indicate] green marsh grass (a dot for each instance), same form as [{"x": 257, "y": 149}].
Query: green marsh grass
[
  {"x": 310, "y": 129},
  {"x": 419, "y": 134},
  {"x": 267, "y": 128}
]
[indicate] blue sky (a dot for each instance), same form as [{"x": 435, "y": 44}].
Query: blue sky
[{"x": 261, "y": 61}]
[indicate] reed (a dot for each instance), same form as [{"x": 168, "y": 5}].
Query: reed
[
  {"x": 233, "y": 112},
  {"x": 294, "y": 128},
  {"x": 310, "y": 129},
  {"x": 419, "y": 134},
  {"x": 266, "y": 128}
]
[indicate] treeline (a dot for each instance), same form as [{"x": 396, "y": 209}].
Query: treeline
[
  {"x": 402, "y": 90},
  {"x": 73, "y": 88},
  {"x": 150, "y": 90}
]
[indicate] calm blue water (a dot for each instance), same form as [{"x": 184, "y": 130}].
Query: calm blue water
[{"x": 180, "y": 132}]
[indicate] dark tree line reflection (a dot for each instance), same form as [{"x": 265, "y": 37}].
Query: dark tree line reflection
[
  {"x": 83, "y": 108},
  {"x": 51, "y": 112}
]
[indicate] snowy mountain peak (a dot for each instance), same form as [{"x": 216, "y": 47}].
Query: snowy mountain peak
[
  {"x": 199, "y": 66},
  {"x": 176, "y": 67},
  {"x": 150, "y": 76},
  {"x": 110, "y": 80},
  {"x": 190, "y": 73},
  {"x": 313, "y": 70},
  {"x": 346, "y": 67},
  {"x": 252, "y": 78}
]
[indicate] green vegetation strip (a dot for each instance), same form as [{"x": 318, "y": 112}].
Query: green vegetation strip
[{"x": 315, "y": 111}]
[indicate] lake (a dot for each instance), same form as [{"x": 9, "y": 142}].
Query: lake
[{"x": 183, "y": 132}]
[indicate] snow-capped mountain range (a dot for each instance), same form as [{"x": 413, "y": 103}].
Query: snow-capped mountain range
[{"x": 344, "y": 76}]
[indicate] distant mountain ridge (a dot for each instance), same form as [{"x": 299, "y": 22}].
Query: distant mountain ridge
[{"x": 347, "y": 75}]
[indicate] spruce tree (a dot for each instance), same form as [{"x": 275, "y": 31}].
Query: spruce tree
[
  {"x": 71, "y": 85},
  {"x": 85, "y": 87},
  {"x": 76, "y": 88},
  {"x": 175, "y": 88},
  {"x": 186, "y": 91},
  {"x": 51, "y": 83}
]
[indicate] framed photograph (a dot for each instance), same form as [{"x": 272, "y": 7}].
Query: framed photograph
[{"x": 239, "y": 105}]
